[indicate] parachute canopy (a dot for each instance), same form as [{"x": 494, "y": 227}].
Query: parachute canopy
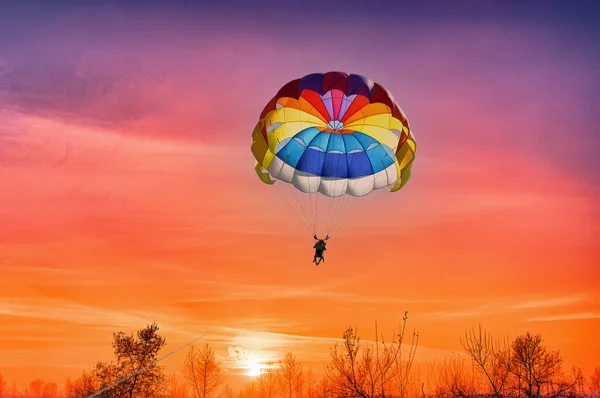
[{"x": 334, "y": 134}]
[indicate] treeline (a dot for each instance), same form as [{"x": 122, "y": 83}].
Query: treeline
[
  {"x": 36, "y": 388},
  {"x": 488, "y": 367}
]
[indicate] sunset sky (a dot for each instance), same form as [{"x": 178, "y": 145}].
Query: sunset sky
[{"x": 128, "y": 193}]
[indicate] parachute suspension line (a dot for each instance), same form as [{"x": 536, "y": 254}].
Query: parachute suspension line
[
  {"x": 339, "y": 213},
  {"x": 315, "y": 209},
  {"x": 329, "y": 200},
  {"x": 292, "y": 190},
  {"x": 335, "y": 207},
  {"x": 343, "y": 213},
  {"x": 290, "y": 205},
  {"x": 302, "y": 217},
  {"x": 334, "y": 201},
  {"x": 376, "y": 193},
  {"x": 346, "y": 202},
  {"x": 310, "y": 196},
  {"x": 317, "y": 220}
]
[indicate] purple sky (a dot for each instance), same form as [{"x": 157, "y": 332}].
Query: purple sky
[{"x": 123, "y": 62}]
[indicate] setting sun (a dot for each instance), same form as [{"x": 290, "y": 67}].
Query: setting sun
[{"x": 254, "y": 370}]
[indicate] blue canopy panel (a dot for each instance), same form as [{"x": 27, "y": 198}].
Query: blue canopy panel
[{"x": 335, "y": 156}]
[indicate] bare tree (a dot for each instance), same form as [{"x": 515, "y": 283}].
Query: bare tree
[
  {"x": 595, "y": 382},
  {"x": 403, "y": 363},
  {"x": 250, "y": 390},
  {"x": 537, "y": 370},
  {"x": 492, "y": 358},
  {"x": 290, "y": 371},
  {"x": 300, "y": 382},
  {"x": 324, "y": 389},
  {"x": 3, "y": 386},
  {"x": 104, "y": 375},
  {"x": 35, "y": 387},
  {"x": 49, "y": 390},
  {"x": 431, "y": 378},
  {"x": 267, "y": 381},
  {"x": 367, "y": 370},
  {"x": 310, "y": 384},
  {"x": 203, "y": 371},
  {"x": 227, "y": 392},
  {"x": 455, "y": 379},
  {"x": 177, "y": 389},
  {"x": 83, "y": 386},
  {"x": 135, "y": 365}
]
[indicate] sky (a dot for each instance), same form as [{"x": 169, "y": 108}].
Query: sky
[{"x": 128, "y": 193}]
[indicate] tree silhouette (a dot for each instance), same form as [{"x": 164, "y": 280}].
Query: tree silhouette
[
  {"x": 227, "y": 392},
  {"x": 493, "y": 358},
  {"x": 456, "y": 379},
  {"x": 522, "y": 368},
  {"x": 3, "y": 386},
  {"x": 49, "y": 390},
  {"x": 403, "y": 363},
  {"x": 40, "y": 389},
  {"x": 267, "y": 381},
  {"x": 86, "y": 385},
  {"x": 290, "y": 373},
  {"x": 203, "y": 371},
  {"x": 133, "y": 364},
  {"x": 367, "y": 371},
  {"x": 536, "y": 370},
  {"x": 250, "y": 390},
  {"x": 324, "y": 388},
  {"x": 35, "y": 387},
  {"x": 177, "y": 389},
  {"x": 310, "y": 384},
  {"x": 595, "y": 382}
]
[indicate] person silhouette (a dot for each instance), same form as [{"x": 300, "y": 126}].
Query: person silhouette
[{"x": 320, "y": 246}]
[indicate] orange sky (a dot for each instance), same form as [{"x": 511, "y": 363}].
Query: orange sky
[
  {"x": 104, "y": 232},
  {"x": 128, "y": 194}
]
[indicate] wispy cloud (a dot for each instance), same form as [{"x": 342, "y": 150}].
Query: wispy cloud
[
  {"x": 565, "y": 317},
  {"x": 63, "y": 311},
  {"x": 233, "y": 291},
  {"x": 550, "y": 302},
  {"x": 481, "y": 307},
  {"x": 457, "y": 314}
]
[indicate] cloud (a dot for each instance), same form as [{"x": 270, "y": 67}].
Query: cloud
[
  {"x": 550, "y": 302},
  {"x": 232, "y": 291},
  {"x": 505, "y": 305},
  {"x": 239, "y": 354},
  {"x": 457, "y": 314},
  {"x": 565, "y": 317},
  {"x": 63, "y": 311}
]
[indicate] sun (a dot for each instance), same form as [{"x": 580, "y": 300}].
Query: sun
[
  {"x": 248, "y": 363},
  {"x": 254, "y": 369},
  {"x": 253, "y": 366}
]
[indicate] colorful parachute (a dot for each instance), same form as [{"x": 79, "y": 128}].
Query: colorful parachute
[{"x": 333, "y": 134}]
